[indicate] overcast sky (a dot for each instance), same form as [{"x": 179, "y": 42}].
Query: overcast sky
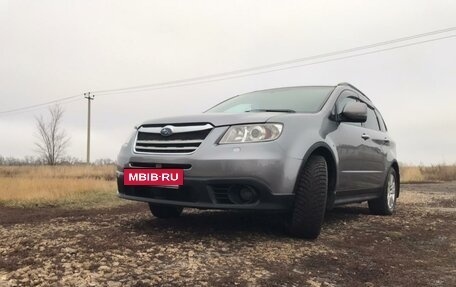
[{"x": 53, "y": 49}]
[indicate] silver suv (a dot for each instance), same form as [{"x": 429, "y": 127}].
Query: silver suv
[{"x": 302, "y": 150}]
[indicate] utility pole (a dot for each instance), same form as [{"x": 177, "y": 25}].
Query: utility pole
[{"x": 89, "y": 99}]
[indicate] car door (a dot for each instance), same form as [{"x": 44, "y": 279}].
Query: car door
[
  {"x": 372, "y": 151},
  {"x": 349, "y": 144}
]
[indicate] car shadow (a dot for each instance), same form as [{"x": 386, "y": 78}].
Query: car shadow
[
  {"x": 344, "y": 213},
  {"x": 196, "y": 224}
]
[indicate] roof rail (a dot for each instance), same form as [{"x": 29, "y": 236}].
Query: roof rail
[{"x": 354, "y": 88}]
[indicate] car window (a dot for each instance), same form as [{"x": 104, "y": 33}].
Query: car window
[
  {"x": 342, "y": 101},
  {"x": 298, "y": 99},
  {"x": 239, "y": 108},
  {"x": 371, "y": 121},
  {"x": 381, "y": 121}
]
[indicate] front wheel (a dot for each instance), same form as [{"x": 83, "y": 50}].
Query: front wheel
[
  {"x": 165, "y": 211},
  {"x": 310, "y": 199},
  {"x": 386, "y": 204}
]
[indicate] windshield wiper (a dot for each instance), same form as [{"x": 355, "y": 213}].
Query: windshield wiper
[{"x": 272, "y": 110}]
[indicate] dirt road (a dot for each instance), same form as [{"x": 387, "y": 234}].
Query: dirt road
[{"x": 125, "y": 246}]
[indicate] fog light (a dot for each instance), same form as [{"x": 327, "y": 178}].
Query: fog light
[
  {"x": 246, "y": 194},
  {"x": 242, "y": 194}
]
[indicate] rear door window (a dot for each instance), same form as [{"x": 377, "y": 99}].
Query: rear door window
[
  {"x": 372, "y": 121},
  {"x": 381, "y": 121}
]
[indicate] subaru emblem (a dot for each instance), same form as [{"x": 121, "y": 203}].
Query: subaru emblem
[{"x": 166, "y": 131}]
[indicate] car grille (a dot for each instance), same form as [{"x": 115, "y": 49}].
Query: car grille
[{"x": 182, "y": 139}]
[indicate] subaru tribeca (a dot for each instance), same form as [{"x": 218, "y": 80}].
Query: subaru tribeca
[{"x": 302, "y": 150}]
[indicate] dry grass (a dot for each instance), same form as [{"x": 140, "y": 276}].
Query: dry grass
[
  {"x": 94, "y": 186},
  {"x": 69, "y": 186},
  {"x": 433, "y": 173}
]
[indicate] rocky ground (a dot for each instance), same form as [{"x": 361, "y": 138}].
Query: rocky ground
[{"x": 125, "y": 246}]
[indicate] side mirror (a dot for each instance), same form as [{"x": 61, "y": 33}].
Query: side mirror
[{"x": 354, "y": 112}]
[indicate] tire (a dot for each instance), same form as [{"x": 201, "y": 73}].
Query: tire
[
  {"x": 310, "y": 199},
  {"x": 386, "y": 204},
  {"x": 164, "y": 211}
]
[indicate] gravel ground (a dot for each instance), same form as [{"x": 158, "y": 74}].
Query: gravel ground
[{"x": 125, "y": 246}]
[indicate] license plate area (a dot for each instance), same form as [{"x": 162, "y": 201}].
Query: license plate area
[{"x": 163, "y": 178}]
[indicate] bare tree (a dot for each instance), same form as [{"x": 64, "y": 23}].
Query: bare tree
[{"x": 52, "y": 139}]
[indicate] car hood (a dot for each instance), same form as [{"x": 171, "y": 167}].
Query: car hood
[{"x": 216, "y": 119}]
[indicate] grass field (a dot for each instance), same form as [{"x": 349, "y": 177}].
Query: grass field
[
  {"x": 83, "y": 186},
  {"x": 70, "y": 186},
  {"x": 433, "y": 173}
]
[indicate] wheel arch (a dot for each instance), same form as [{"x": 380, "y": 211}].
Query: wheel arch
[
  {"x": 323, "y": 149},
  {"x": 395, "y": 165}
]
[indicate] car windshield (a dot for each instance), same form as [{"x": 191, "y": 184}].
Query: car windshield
[{"x": 296, "y": 99}]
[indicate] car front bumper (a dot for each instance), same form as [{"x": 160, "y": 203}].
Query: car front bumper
[
  {"x": 209, "y": 193},
  {"x": 214, "y": 171}
]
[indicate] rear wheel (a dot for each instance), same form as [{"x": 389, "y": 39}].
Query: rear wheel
[
  {"x": 165, "y": 211},
  {"x": 310, "y": 199},
  {"x": 386, "y": 204}
]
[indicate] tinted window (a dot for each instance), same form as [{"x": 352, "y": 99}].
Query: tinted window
[
  {"x": 381, "y": 121},
  {"x": 371, "y": 122},
  {"x": 299, "y": 99}
]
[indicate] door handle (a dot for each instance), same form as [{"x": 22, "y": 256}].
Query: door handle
[{"x": 365, "y": 136}]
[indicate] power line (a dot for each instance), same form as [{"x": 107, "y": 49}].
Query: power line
[
  {"x": 245, "y": 72},
  {"x": 278, "y": 69},
  {"x": 262, "y": 67},
  {"x": 62, "y": 102},
  {"x": 40, "y": 105}
]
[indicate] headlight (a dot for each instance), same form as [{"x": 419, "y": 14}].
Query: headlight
[{"x": 251, "y": 133}]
